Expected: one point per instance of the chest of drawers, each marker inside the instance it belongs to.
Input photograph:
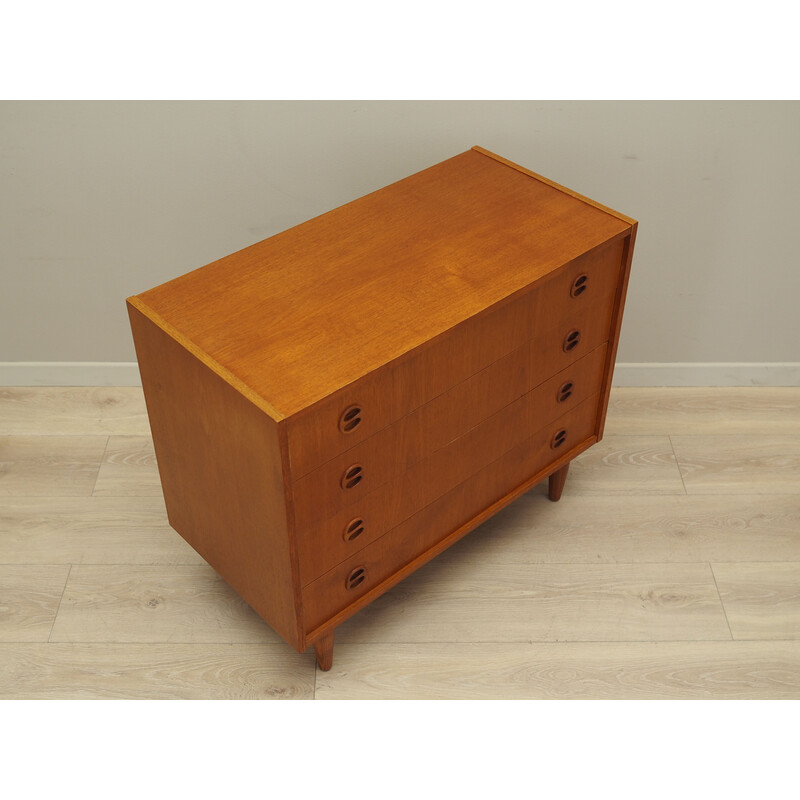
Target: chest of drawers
(337, 404)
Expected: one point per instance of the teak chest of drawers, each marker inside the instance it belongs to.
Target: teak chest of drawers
(337, 404)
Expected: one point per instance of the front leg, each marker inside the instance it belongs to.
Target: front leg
(323, 648)
(557, 481)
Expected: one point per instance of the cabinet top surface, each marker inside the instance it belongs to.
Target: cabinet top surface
(297, 316)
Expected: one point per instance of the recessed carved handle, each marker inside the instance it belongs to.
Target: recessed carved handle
(356, 578)
(350, 419)
(353, 529)
(558, 439)
(351, 476)
(579, 285)
(571, 340)
(565, 391)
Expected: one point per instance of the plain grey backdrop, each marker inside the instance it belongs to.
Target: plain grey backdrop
(101, 200)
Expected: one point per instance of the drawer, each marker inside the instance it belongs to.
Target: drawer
(327, 542)
(349, 477)
(583, 289)
(359, 574)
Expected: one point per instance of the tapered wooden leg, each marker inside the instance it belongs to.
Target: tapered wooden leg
(557, 481)
(323, 647)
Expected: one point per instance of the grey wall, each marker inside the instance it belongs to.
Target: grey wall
(101, 200)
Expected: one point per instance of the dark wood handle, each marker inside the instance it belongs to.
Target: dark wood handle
(356, 577)
(565, 391)
(350, 419)
(351, 476)
(579, 285)
(571, 340)
(353, 529)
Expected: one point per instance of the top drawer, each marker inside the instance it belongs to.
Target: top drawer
(357, 411)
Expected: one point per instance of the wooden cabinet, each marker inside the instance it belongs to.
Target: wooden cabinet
(337, 404)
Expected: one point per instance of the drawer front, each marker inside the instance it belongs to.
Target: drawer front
(348, 478)
(584, 290)
(330, 541)
(347, 582)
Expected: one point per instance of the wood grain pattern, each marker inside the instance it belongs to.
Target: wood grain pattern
(730, 464)
(419, 257)
(459, 443)
(704, 411)
(451, 514)
(137, 306)
(459, 410)
(154, 672)
(449, 602)
(55, 466)
(564, 671)
(649, 528)
(73, 410)
(626, 465)
(128, 468)
(283, 382)
(90, 530)
(419, 510)
(441, 546)
(222, 465)
(549, 182)
(127, 603)
(532, 323)
(762, 600)
(29, 598)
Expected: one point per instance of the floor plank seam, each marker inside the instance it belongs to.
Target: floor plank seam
(60, 601)
(677, 464)
(661, 432)
(146, 564)
(766, 643)
(96, 434)
(158, 642)
(162, 643)
(721, 601)
(534, 642)
(99, 467)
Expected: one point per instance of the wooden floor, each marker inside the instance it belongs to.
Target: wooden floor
(669, 569)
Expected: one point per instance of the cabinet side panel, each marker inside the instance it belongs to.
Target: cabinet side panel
(220, 462)
(616, 326)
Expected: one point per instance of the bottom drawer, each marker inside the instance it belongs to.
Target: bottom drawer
(350, 580)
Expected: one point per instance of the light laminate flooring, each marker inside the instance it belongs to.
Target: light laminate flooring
(669, 569)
